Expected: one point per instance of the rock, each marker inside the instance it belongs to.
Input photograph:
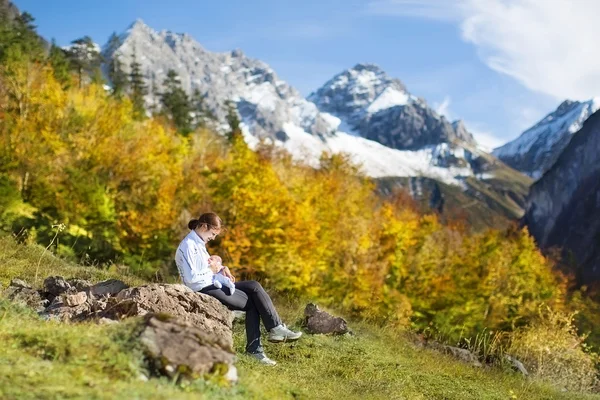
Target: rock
(109, 287)
(76, 299)
(318, 321)
(516, 364)
(458, 353)
(19, 283)
(21, 292)
(61, 311)
(107, 321)
(200, 310)
(178, 348)
(80, 284)
(56, 285)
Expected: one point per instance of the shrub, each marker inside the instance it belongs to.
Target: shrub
(552, 351)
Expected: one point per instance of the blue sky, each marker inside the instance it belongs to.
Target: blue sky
(470, 59)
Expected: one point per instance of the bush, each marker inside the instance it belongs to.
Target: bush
(552, 351)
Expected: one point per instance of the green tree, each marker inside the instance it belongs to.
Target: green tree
(138, 88)
(176, 104)
(60, 64)
(85, 59)
(233, 120)
(201, 112)
(18, 38)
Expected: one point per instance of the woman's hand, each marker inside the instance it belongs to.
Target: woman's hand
(227, 273)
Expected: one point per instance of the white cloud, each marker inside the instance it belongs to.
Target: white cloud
(549, 46)
(443, 108)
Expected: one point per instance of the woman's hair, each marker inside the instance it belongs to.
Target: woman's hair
(208, 220)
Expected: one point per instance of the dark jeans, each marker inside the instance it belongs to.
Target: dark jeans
(249, 296)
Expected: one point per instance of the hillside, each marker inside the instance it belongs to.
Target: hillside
(43, 359)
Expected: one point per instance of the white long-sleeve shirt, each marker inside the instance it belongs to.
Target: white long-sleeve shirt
(192, 262)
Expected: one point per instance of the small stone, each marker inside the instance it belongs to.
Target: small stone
(107, 321)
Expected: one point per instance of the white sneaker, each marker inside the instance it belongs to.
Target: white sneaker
(263, 359)
(281, 333)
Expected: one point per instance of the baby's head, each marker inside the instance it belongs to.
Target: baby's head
(214, 262)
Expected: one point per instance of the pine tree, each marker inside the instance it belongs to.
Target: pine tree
(60, 64)
(85, 59)
(116, 74)
(18, 38)
(176, 104)
(233, 120)
(138, 88)
(201, 113)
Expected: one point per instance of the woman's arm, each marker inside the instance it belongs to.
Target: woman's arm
(191, 264)
(225, 271)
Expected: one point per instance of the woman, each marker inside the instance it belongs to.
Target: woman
(192, 263)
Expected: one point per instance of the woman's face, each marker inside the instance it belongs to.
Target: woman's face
(210, 233)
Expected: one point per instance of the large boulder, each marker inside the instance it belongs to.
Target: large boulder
(200, 310)
(317, 321)
(178, 348)
(110, 287)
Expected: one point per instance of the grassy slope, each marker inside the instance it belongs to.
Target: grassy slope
(47, 360)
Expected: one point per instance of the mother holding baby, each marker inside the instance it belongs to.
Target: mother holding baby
(203, 273)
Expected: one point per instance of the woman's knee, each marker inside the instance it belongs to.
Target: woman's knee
(254, 286)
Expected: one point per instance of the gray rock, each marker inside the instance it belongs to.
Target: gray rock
(200, 310)
(516, 364)
(61, 311)
(463, 355)
(24, 295)
(81, 285)
(108, 287)
(179, 348)
(19, 283)
(56, 285)
(563, 209)
(317, 321)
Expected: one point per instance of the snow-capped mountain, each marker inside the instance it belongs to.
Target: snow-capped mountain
(536, 149)
(371, 104)
(361, 112)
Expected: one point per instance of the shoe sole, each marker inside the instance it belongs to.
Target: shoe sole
(283, 340)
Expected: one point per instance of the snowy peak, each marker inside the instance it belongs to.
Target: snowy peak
(355, 90)
(536, 149)
(371, 104)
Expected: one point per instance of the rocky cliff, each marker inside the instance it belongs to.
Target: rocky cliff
(563, 207)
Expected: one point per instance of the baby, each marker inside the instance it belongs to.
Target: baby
(214, 262)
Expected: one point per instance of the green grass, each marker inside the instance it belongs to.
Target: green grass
(50, 360)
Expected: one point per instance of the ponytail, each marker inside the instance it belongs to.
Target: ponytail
(209, 220)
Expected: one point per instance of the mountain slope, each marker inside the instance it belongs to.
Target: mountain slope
(371, 104)
(563, 207)
(361, 111)
(534, 152)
